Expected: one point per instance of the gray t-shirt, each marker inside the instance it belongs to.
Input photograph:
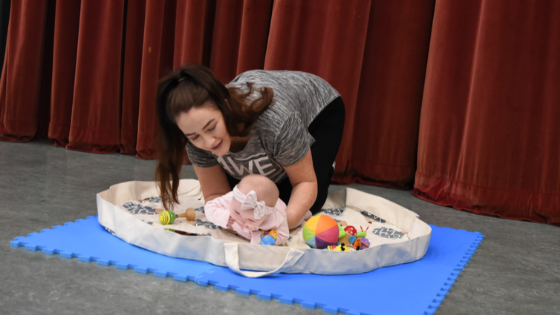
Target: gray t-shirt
(279, 136)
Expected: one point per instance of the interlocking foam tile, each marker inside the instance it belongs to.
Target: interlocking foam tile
(414, 288)
(88, 241)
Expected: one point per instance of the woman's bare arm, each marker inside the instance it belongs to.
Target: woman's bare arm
(304, 189)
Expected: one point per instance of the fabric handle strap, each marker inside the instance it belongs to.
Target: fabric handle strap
(232, 261)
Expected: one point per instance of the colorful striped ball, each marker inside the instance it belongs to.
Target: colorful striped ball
(320, 231)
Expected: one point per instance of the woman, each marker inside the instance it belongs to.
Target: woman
(285, 125)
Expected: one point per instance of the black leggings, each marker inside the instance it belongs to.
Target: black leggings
(327, 129)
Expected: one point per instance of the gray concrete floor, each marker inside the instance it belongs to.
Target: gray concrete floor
(514, 271)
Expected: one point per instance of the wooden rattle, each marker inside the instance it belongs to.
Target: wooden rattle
(168, 216)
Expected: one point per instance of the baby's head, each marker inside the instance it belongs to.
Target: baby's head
(242, 207)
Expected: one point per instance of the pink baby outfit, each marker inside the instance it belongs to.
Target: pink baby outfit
(217, 212)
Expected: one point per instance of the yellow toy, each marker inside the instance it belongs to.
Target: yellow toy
(339, 248)
(168, 217)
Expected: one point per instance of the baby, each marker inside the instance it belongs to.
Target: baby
(252, 206)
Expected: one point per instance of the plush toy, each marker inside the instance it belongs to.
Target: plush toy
(361, 243)
(321, 231)
(345, 240)
(347, 232)
(350, 230)
(269, 237)
(362, 233)
(341, 231)
(168, 217)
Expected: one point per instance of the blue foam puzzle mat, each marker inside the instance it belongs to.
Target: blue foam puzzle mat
(87, 240)
(413, 288)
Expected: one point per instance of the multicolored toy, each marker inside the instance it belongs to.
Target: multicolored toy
(338, 248)
(350, 230)
(269, 237)
(361, 243)
(321, 231)
(168, 216)
(352, 239)
(362, 233)
(341, 232)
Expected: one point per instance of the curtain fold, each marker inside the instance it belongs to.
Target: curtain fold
(44, 100)
(65, 47)
(242, 45)
(20, 85)
(157, 59)
(488, 136)
(95, 122)
(326, 39)
(253, 37)
(193, 36)
(456, 99)
(384, 130)
(4, 20)
(132, 71)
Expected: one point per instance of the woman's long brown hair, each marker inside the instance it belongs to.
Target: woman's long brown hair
(193, 86)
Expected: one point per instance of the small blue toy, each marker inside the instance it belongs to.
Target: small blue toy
(269, 237)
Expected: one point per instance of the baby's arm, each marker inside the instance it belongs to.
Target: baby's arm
(217, 210)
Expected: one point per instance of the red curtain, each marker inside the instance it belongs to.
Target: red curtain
(489, 136)
(454, 98)
(20, 85)
(384, 130)
(374, 53)
(152, 55)
(65, 46)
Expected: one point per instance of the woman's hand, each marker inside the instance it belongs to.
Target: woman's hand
(304, 189)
